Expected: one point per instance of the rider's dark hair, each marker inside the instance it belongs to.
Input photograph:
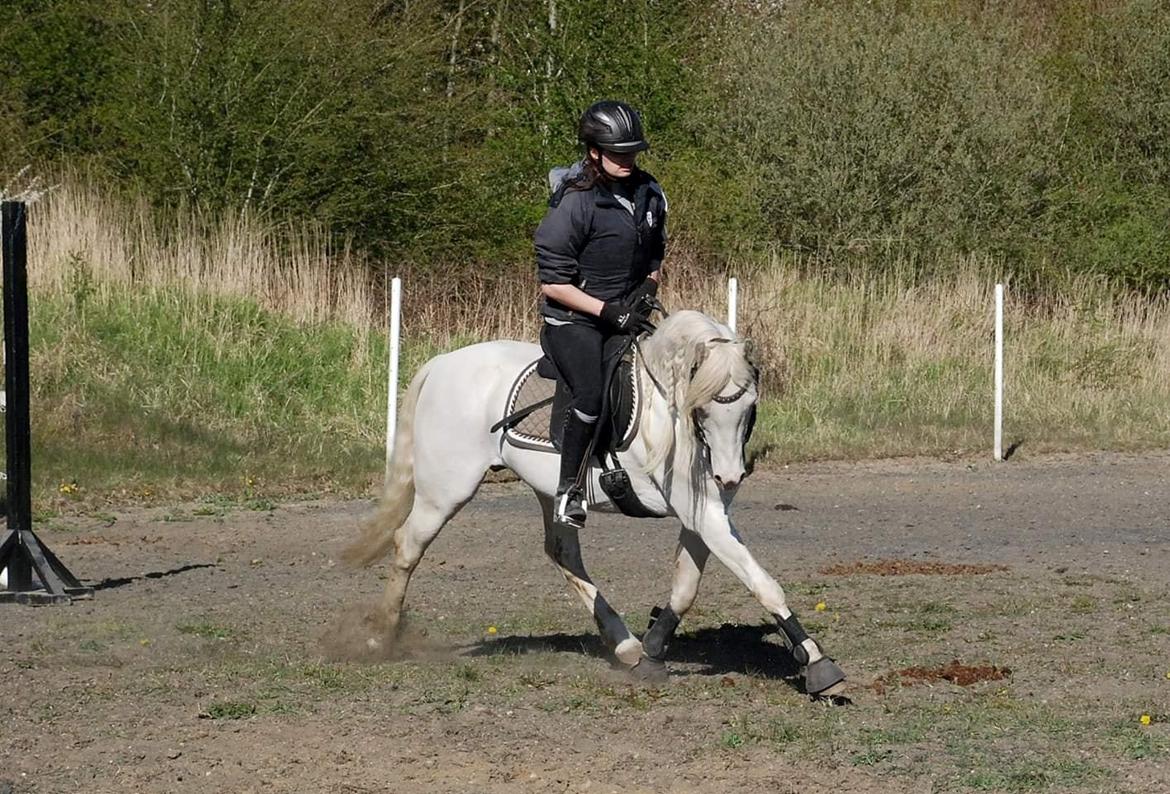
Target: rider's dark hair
(592, 172)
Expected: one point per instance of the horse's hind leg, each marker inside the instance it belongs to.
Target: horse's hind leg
(564, 548)
(690, 558)
(436, 501)
(410, 542)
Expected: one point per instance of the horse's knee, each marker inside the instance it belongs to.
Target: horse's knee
(730, 550)
(411, 540)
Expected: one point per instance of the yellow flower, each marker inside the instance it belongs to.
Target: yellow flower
(491, 630)
(68, 487)
(821, 606)
(1145, 719)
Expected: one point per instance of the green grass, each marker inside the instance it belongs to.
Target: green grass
(162, 395)
(230, 710)
(1057, 774)
(957, 734)
(732, 740)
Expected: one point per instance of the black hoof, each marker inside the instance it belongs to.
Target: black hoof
(650, 671)
(823, 677)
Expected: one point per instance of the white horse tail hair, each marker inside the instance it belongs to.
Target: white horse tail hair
(394, 506)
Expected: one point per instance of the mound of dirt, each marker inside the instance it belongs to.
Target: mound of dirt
(907, 568)
(954, 672)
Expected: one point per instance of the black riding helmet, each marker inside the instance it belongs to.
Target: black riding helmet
(613, 126)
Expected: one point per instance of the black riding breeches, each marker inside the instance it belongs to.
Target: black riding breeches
(581, 354)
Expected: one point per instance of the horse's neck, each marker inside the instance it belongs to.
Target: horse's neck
(658, 400)
(674, 472)
(647, 380)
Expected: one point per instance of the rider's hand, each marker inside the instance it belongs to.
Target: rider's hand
(622, 317)
(647, 289)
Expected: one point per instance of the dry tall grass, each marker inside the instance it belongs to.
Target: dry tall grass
(890, 364)
(77, 231)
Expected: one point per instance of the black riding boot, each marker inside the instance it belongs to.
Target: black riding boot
(569, 507)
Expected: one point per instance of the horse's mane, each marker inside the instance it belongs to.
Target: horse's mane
(692, 358)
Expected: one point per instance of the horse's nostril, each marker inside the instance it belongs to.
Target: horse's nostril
(728, 484)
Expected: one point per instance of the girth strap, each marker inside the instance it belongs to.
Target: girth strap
(512, 419)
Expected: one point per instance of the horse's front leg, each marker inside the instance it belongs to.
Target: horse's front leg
(690, 558)
(822, 676)
(564, 548)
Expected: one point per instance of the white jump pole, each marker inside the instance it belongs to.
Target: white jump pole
(999, 371)
(392, 389)
(732, 301)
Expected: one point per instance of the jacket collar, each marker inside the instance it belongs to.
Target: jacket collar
(605, 197)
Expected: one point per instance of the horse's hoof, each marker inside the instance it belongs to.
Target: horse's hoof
(650, 671)
(836, 695)
(823, 679)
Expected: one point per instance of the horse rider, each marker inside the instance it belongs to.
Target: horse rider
(599, 254)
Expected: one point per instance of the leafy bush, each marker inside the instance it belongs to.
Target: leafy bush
(1036, 133)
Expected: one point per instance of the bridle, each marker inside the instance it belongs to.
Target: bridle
(728, 400)
(696, 424)
(701, 437)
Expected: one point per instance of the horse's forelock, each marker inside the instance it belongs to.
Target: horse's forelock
(691, 357)
(722, 362)
(701, 356)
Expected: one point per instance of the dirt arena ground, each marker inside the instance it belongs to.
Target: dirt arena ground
(200, 665)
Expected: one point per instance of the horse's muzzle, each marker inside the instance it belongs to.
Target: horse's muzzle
(729, 483)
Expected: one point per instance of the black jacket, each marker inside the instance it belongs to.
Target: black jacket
(589, 239)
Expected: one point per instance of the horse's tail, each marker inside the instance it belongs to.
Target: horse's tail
(397, 499)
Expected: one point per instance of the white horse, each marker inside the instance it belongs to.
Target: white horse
(687, 460)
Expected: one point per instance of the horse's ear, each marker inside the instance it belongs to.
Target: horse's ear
(699, 355)
(751, 354)
(749, 351)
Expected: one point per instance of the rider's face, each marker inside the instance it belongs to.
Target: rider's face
(617, 166)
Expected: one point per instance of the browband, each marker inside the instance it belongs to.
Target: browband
(732, 398)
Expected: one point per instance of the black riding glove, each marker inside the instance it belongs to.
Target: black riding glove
(647, 289)
(622, 317)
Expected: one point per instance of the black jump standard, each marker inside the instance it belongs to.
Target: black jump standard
(35, 575)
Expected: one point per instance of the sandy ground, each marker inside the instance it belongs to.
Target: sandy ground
(200, 664)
